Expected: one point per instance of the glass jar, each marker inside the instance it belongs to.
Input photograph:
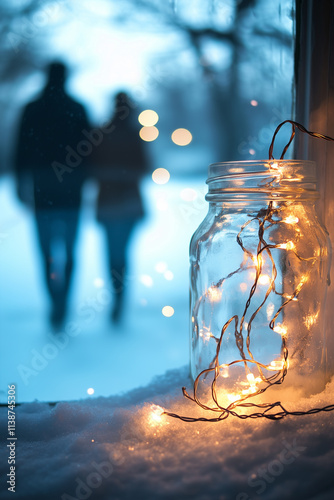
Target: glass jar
(259, 273)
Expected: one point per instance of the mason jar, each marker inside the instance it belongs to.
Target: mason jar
(259, 273)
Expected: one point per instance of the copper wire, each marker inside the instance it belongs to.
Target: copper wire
(270, 411)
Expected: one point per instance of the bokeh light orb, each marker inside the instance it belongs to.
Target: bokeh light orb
(148, 118)
(146, 280)
(161, 176)
(167, 311)
(149, 134)
(182, 137)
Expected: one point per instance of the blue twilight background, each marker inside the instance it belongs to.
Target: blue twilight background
(222, 69)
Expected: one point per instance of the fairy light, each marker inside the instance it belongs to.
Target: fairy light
(282, 330)
(264, 279)
(258, 260)
(288, 246)
(155, 416)
(224, 371)
(214, 294)
(291, 219)
(233, 397)
(205, 333)
(275, 365)
(272, 411)
(311, 319)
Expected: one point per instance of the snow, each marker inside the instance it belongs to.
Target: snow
(90, 352)
(112, 448)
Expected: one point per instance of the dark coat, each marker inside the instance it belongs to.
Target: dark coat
(119, 165)
(52, 126)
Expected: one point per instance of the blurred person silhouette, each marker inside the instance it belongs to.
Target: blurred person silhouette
(50, 132)
(119, 165)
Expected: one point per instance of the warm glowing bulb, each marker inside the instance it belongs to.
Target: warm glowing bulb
(258, 260)
(288, 246)
(275, 365)
(253, 102)
(291, 219)
(311, 319)
(224, 371)
(250, 378)
(90, 391)
(264, 279)
(233, 397)
(155, 414)
(280, 329)
(205, 333)
(214, 294)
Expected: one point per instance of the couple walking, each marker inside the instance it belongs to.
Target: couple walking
(50, 181)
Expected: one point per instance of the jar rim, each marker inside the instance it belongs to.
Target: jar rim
(274, 178)
(262, 166)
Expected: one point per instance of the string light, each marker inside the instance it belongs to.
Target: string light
(264, 279)
(288, 246)
(311, 319)
(155, 415)
(282, 330)
(214, 294)
(238, 401)
(291, 219)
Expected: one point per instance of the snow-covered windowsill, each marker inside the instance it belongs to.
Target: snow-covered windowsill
(111, 448)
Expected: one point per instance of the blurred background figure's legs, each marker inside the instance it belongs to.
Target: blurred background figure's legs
(118, 234)
(57, 233)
